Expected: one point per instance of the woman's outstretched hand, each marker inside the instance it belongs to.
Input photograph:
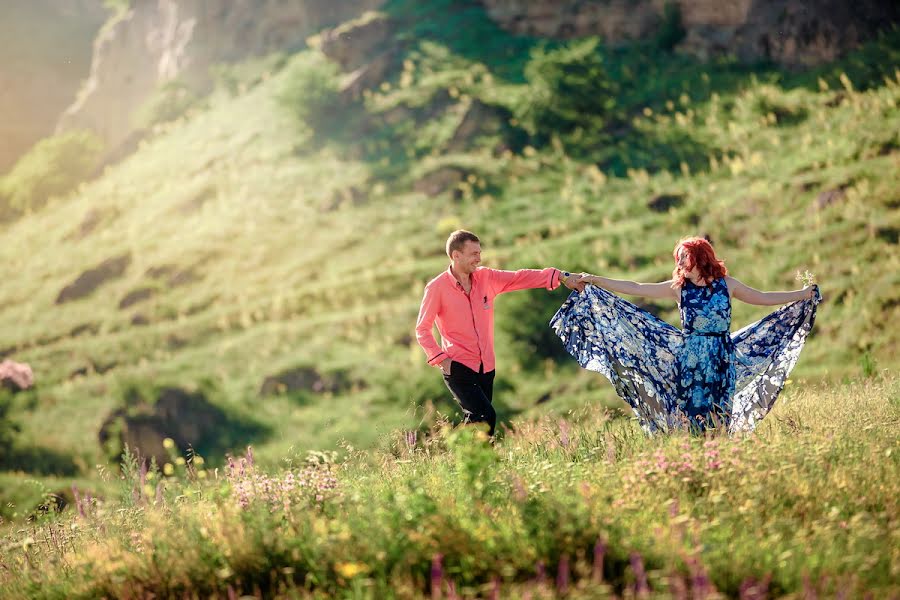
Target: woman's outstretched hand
(578, 282)
(573, 282)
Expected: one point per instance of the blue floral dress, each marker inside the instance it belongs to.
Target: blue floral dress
(695, 377)
(706, 373)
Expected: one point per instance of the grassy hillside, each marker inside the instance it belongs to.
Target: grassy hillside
(250, 243)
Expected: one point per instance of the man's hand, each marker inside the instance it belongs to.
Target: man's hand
(445, 366)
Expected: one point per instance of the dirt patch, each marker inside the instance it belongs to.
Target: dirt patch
(306, 379)
(135, 296)
(90, 280)
(665, 202)
(829, 198)
(92, 219)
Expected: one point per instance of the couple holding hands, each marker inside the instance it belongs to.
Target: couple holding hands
(699, 377)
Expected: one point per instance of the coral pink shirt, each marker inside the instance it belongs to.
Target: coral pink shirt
(466, 321)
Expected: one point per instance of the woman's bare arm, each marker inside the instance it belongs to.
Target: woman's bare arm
(747, 294)
(648, 290)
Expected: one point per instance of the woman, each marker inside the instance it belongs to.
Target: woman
(698, 377)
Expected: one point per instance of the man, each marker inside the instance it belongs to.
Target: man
(461, 301)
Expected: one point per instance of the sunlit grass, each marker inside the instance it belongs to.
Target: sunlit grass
(579, 506)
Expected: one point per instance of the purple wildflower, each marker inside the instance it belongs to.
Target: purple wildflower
(641, 588)
(562, 575)
(599, 552)
(437, 576)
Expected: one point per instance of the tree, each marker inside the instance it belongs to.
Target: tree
(569, 89)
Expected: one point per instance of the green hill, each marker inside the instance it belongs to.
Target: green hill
(242, 242)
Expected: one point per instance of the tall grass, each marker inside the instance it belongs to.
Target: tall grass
(576, 506)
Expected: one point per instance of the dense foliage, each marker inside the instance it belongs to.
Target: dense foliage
(53, 167)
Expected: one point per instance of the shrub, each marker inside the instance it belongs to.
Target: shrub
(569, 89)
(117, 5)
(236, 78)
(8, 428)
(311, 90)
(53, 167)
(169, 102)
(671, 30)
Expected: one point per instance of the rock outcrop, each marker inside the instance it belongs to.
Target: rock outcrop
(91, 279)
(306, 379)
(16, 376)
(364, 48)
(794, 33)
(157, 41)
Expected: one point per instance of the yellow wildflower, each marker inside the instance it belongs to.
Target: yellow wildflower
(349, 570)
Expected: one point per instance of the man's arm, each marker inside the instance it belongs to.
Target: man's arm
(431, 305)
(525, 279)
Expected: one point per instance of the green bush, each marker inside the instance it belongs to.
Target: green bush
(8, 428)
(311, 90)
(117, 5)
(569, 89)
(169, 102)
(237, 78)
(53, 167)
(672, 30)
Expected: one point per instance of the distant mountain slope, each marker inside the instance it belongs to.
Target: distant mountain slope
(45, 55)
(157, 42)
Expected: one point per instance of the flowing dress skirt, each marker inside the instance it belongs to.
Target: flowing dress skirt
(642, 356)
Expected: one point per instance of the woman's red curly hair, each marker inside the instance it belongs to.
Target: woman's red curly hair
(700, 253)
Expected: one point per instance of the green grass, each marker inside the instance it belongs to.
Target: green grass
(288, 272)
(806, 505)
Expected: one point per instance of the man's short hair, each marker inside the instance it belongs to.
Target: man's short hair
(458, 239)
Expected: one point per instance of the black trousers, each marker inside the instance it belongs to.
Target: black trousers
(474, 393)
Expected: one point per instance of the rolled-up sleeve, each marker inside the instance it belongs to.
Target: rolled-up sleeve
(524, 279)
(431, 304)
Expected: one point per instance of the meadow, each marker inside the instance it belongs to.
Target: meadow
(275, 229)
(579, 506)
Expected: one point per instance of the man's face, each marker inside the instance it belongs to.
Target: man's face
(467, 259)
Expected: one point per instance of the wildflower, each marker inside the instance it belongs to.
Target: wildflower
(562, 575)
(168, 469)
(640, 575)
(599, 552)
(437, 575)
(168, 443)
(349, 570)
